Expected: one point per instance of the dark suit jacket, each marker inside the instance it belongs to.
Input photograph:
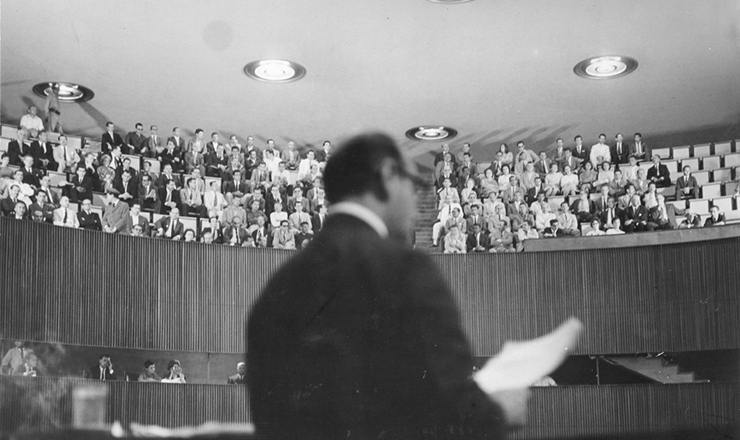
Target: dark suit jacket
(179, 143)
(316, 223)
(604, 214)
(133, 190)
(164, 223)
(585, 153)
(162, 194)
(38, 153)
(141, 221)
(74, 194)
(485, 241)
(638, 214)
(7, 206)
(107, 142)
(89, 221)
(241, 234)
(236, 380)
(681, 184)
(16, 152)
(231, 187)
(662, 176)
(670, 211)
(95, 373)
(163, 180)
(32, 177)
(620, 158)
(711, 222)
(359, 334)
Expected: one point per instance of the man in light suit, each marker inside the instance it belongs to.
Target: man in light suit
(238, 378)
(18, 148)
(154, 143)
(135, 219)
(63, 216)
(686, 186)
(374, 334)
(65, 156)
(115, 214)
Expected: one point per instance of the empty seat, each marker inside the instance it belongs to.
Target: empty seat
(722, 148)
(732, 160)
(702, 150)
(730, 188)
(722, 175)
(664, 153)
(679, 204)
(700, 206)
(732, 216)
(555, 202)
(725, 204)
(711, 162)
(482, 166)
(692, 162)
(680, 152)
(8, 131)
(702, 177)
(673, 166)
(711, 190)
(4, 144)
(56, 178)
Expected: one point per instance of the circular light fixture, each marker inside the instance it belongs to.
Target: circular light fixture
(431, 133)
(275, 71)
(450, 1)
(68, 92)
(605, 67)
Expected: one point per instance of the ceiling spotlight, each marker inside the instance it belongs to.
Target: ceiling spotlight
(68, 92)
(275, 71)
(431, 133)
(605, 67)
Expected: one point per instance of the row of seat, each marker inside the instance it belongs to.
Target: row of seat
(698, 150)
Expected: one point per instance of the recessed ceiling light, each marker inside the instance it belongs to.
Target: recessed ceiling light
(68, 92)
(605, 67)
(431, 133)
(276, 71)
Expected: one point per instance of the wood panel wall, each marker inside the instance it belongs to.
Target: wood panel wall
(90, 288)
(555, 412)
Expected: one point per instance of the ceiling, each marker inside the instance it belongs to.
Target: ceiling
(495, 70)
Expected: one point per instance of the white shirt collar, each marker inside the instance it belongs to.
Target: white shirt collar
(362, 213)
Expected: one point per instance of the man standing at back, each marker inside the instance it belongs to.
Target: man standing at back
(358, 335)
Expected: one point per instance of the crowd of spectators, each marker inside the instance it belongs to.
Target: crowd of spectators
(245, 195)
(602, 186)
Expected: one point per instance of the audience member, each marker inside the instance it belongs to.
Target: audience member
(170, 197)
(154, 143)
(19, 148)
(13, 358)
(103, 370)
(111, 139)
(525, 232)
(31, 122)
(43, 153)
(693, 220)
(135, 219)
(638, 149)
(620, 151)
(595, 229)
(502, 240)
(174, 373)
(554, 230)
(283, 237)
(567, 221)
(63, 216)
(454, 241)
(191, 200)
(29, 367)
(635, 216)
(615, 228)
(170, 227)
(53, 109)
(686, 186)
(43, 207)
(304, 236)
(716, 218)
(115, 213)
(659, 173)
(600, 152)
(87, 218)
(523, 157)
(238, 378)
(136, 141)
(477, 241)
(149, 374)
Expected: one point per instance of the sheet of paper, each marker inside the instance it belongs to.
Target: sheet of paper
(522, 363)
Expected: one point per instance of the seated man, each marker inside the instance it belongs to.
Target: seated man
(693, 220)
(235, 234)
(260, 177)
(103, 370)
(216, 162)
(304, 236)
(554, 230)
(89, 219)
(283, 237)
(236, 188)
(148, 198)
(261, 233)
(41, 205)
(526, 232)
(63, 216)
(477, 241)
(715, 218)
(502, 240)
(170, 227)
(567, 221)
(686, 186)
(234, 210)
(127, 187)
(618, 184)
(19, 148)
(659, 173)
(80, 187)
(584, 208)
(298, 217)
(455, 219)
(454, 241)
(170, 197)
(476, 218)
(192, 200)
(43, 153)
(29, 366)
(214, 200)
(635, 216)
(31, 174)
(13, 358)
(214, 230)
(136, 219)
(663, 216)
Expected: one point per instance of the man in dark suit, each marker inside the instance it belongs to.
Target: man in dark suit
(136, 219)
(18, 148)
(318, 219)
(111, 139)
(166, 177)
(663, 216)
(715, 218)
(128, 188)
(43, 153)
(235, 234)
(639, 149)
(148, 194)
(358, 333)
(136, 141)
(610, 212)
(659, 174)
(581, 151)
(154, 142)
(30, 174)
(686, 186)
(89, 219)
(477, 241)
(177, 140)
(620, 151)
(635, 217)
(169, 197)
(212, 146)
(170, 227)
(103, 370)
(216, 162)
(80, 187)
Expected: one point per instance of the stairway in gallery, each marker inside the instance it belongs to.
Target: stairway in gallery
(426, 206)
(656, 368)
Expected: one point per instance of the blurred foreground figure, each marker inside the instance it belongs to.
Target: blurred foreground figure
(358, 336)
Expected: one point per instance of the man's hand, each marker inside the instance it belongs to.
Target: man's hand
(514, 405)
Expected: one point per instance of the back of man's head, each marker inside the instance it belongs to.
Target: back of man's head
(354, 169)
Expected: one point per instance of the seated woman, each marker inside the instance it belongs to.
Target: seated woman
(651, 196)
(569, 182)
(507, 157)
(488, 183)
(105, 173)
(595, 229)
(606, 175)
(503, 179)
(587, 176)
(552, 181)
(454, 241)
(468, 189)
(174, 373)
(149, 375)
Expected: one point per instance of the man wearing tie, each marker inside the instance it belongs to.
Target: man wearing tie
(110, 139)
(169, 197)
(104, 369)
(136, 141)
(65, 156)
(170, 227)
(638, 149)
(116, 213)
(317, 222)
(177, 140)
(43, 153)
(63, 216)
(154, 143)
(686, 186)
(620, 151)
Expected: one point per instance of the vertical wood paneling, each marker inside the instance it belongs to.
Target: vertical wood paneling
(555, 412)
(90, 288)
